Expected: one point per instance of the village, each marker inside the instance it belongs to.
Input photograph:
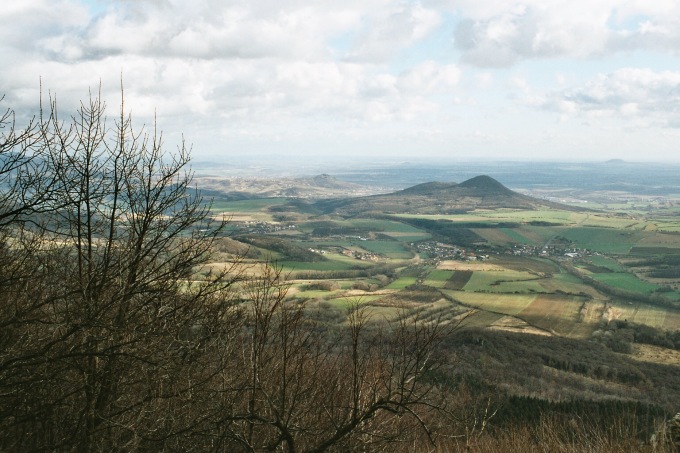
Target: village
(441, 251)
(435, 250)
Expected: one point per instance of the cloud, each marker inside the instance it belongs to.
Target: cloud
(65, 30)
(225, 65)
(625, 93)
(228, 31)
(379, 71)
(502, 33)
(429, 77)
(384, 34)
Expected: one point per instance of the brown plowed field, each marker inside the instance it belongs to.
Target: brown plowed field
(458, 280)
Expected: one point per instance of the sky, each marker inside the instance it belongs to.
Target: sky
(356, 80)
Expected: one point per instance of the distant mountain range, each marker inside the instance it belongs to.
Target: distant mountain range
(325, 194)
(316, 187)
(480, 192)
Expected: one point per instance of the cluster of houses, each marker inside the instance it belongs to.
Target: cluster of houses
(359, 255)
(253, 227)
(546, 251)
(363, 256)
(441, 251)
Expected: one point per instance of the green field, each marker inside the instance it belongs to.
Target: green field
(402, 283)
(607, 263)
(669, 226)
(381, 225)
(539, 234)
(516, 236)
(518, 287)
(568, 284)
(603, 240)
(408, 237)
(438, 278)
(496, 281)
(626, 282)
(389, 249)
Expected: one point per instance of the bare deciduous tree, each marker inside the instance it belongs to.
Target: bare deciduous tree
(307, 389)
(108, 343)
(109, 309)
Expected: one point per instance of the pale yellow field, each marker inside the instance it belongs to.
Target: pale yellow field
(469, 266)
(672, 321)
(360, 293)
(509, 304)
(241, 217)
(249, 270)
(655, 354)
(660, 240)
(644, 314)
(512, 324)
(554, 313)
(453, 218)
(555, 284)
(592, 312)
(474, 318)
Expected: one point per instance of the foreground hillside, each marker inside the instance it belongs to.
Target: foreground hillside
(555, 303)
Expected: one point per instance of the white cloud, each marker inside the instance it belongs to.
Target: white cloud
(501, 33)
(484, 80)
(393, 29)
(278, 72)
(429, 77)
(532, 29)
(625, 93)
(226, 65)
